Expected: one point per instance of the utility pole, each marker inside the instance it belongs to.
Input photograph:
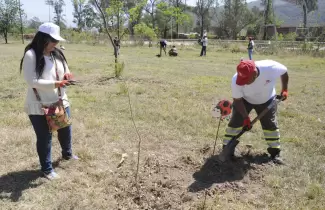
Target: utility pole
(21, 24)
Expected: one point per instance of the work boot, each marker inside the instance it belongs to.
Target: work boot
(232, 153)
(275, 156)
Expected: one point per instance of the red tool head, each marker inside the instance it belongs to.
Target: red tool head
(225, 108)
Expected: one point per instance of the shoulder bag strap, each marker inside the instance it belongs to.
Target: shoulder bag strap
(57, 75)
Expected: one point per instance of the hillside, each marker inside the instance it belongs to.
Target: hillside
(292, 14)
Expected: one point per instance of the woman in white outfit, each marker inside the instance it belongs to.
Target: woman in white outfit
(46, 72)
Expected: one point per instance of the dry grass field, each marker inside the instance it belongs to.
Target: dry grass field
(171, 100)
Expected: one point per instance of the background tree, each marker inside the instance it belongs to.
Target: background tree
(102, 5)
(116, 15)
(235, 17)
(164, 18)
(135, 13)
(151, 8)
(9, 17)
(268, 16)
(307, 7)
(181, 17)
(91, 18)
(202, 11)
(171, 15)
(34, 23)
(254, 28)
(145, 32)
(58, 11)
(78, 14)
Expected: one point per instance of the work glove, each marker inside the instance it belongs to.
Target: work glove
(67, 76)
(284, 94)
(247, 124)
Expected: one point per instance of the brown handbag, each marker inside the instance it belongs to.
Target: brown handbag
(55, 113)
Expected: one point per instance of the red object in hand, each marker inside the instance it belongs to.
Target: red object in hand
(64, 83)
(284, 94)
(67, 76)
(247, 124)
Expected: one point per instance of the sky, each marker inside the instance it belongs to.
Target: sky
(38, 8)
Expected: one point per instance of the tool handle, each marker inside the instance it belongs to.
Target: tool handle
(279, 98)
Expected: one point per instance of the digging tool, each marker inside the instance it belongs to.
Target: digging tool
(223, 156)
(223, 112)
(215, 141)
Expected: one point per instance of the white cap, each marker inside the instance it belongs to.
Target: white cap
(52, 30)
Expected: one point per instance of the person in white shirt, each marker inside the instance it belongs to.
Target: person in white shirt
(173, 51)
(204, 43)
(253, 87)
(250, 48)
(40, 63)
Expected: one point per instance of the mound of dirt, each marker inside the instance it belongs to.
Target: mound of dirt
(169, 184)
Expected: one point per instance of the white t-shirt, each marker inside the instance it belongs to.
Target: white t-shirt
(263, 88)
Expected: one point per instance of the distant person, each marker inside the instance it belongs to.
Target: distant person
(250, 48)
(163, 46)
(204, 43)
(46, 72)
(117, 44)
(173, 51)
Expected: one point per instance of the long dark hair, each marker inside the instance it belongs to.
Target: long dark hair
(38, 44)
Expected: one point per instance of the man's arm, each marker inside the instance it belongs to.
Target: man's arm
(240, 107)
(285, 80)
(284, 91)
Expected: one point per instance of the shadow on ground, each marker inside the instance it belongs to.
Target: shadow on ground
(213, 171)
(13, 184)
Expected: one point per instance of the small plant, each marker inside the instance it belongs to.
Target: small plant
(290, 36)
(314, 191)
(235, 49)
(225, 45)
(307, 47)
(123, 89)
(192, 36)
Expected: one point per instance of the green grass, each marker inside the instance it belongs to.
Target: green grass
(171, 100)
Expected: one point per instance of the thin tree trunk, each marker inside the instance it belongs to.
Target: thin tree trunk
(6, 36)
(177, 5)
(118, 25)
(21, 24)
(165, 32)
(202, 25)
(305, 15)
(153, 20)
(266, 18)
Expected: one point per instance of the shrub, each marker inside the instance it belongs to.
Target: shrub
(235, 49)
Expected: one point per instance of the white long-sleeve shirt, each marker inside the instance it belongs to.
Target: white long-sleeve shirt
(204, 41)
(45, 85)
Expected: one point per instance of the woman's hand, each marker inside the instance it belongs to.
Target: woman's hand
(61, 83)
(67, 76)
